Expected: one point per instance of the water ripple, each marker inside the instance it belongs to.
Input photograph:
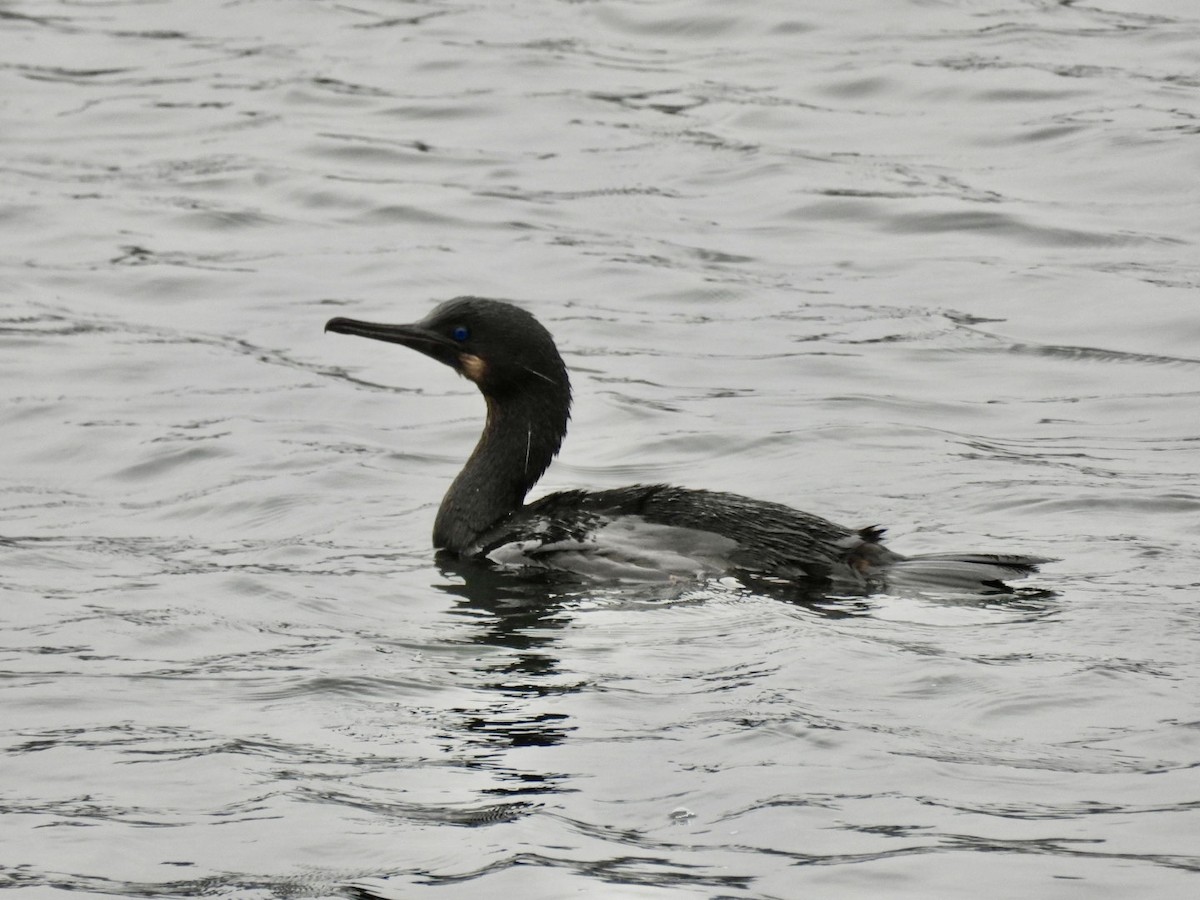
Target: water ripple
(921, 264)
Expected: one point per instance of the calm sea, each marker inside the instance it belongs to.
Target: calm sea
(925, 263)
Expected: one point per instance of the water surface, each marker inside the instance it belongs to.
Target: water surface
(928, 264)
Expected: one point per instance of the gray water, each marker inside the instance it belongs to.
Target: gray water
(927, 264)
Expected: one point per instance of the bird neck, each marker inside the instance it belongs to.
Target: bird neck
(521, 437)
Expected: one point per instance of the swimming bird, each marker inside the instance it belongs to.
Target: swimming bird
(641, 532)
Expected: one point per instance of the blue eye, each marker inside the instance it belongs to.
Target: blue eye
(460, 333)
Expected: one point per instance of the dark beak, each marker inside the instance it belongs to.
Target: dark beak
(415, 336)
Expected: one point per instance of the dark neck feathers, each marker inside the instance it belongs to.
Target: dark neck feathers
(524, 430)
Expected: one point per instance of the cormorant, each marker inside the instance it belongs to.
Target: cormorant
(644, 532)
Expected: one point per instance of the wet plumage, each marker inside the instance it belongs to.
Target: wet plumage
(641, 531)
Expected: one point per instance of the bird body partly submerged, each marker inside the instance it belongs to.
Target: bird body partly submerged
(644, 532)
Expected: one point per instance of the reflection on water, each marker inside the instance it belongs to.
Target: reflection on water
(520, 617)
(918, 264)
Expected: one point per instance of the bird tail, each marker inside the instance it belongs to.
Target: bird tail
(962, 571)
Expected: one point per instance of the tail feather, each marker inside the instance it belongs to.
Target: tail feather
(963, 570)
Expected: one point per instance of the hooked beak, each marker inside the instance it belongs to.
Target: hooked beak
(415, 336)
